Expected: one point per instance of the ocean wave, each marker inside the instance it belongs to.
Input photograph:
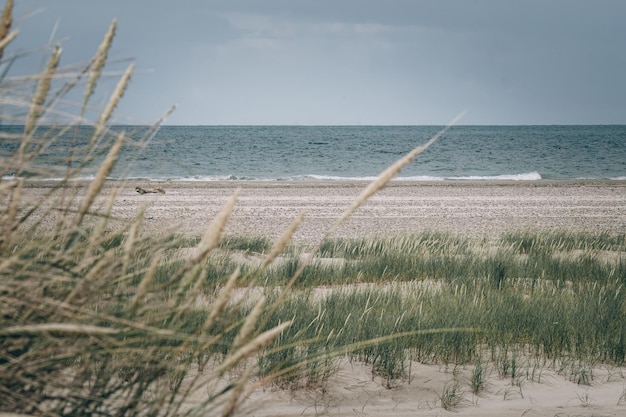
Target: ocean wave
(353, 153)
(419, 178)
(52, 179)
(331, 178)
(529, 176)
(198, 178)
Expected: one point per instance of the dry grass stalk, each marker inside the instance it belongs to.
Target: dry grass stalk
(98, 64)
(251, 347)
(101, 264)
(8, 262)
(146, 281)
(9, 223)
(39, 98)
(188, 288)
(147, 138)
(249, 324)
(387, 175)
(276, 250)
(132, 236)
(57, 327)
(5, 25)
(190, 271)
(96, 185)
(7, 40)
(213, 235)
(237, 393)
(222, 301)
(284, 240)
(106, 114)
(99, 230)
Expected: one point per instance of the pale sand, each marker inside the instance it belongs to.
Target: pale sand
(353, 392)
(468, 208)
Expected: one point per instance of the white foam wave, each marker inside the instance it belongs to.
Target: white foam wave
(52, 179)
(529, 176)
(420, 178)
(333, 178)
(532, 176)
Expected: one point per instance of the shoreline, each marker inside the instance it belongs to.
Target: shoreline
(332, 183)
(267, 208)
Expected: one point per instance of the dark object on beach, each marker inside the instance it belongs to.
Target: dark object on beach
(150, 191)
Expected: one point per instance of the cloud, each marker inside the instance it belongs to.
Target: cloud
(355, 61)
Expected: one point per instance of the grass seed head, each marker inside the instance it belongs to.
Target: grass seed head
(98, 63)
(5, 26)
(39, 98)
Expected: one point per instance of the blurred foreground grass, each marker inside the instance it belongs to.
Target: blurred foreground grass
(88, 324)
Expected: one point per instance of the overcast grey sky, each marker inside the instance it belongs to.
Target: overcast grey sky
(352, 61)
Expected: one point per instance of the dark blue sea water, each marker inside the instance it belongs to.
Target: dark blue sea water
(274, 153)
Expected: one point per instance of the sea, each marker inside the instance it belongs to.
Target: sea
(339, 153)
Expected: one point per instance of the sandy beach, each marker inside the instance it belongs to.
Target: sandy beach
(474, 208)
(353, 392)
(468, 208)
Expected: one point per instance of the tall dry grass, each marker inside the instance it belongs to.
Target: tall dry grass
(84, 328)
(103, 323)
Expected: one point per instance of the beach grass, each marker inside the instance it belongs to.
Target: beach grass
(96, 322)
(114, 321)
(563, 304)
(119, 322)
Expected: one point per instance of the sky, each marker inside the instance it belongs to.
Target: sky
(346, 62)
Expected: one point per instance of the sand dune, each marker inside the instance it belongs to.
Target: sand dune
(471, 208)
(353, 392)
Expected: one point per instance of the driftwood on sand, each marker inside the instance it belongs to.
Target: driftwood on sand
(150, 190)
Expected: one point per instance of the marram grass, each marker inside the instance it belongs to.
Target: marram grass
(99, 323)
(89, 324)
(94, 322)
